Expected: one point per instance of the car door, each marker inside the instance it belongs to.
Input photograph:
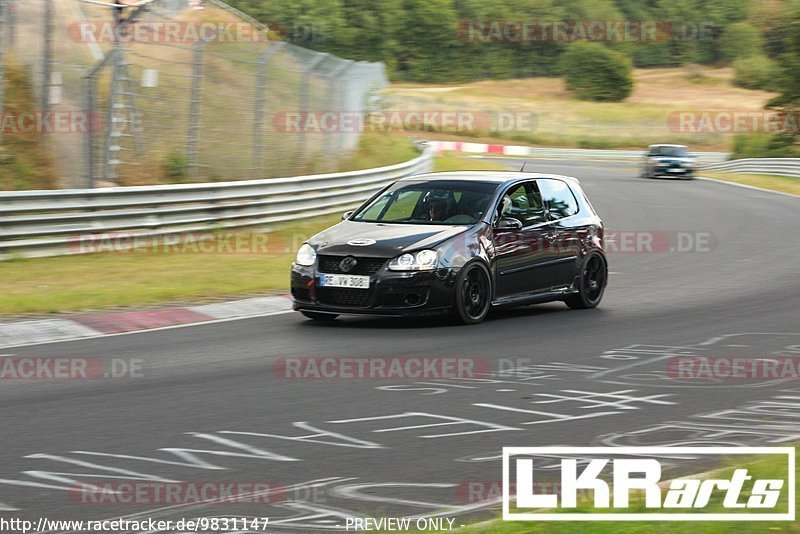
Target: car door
(524, 260)
(562, 210)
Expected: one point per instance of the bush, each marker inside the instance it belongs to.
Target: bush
(175, 167)
(755, 72)
(593, 72)
(764, 145)
(739, 40)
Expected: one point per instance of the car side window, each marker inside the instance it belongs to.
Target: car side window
(526, 204)
(559, 198)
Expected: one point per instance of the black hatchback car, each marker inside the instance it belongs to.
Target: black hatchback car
(456, 242)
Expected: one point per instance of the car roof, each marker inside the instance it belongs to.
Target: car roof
(666, 144)
(496, 177)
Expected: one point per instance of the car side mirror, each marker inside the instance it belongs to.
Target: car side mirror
(346, 215)
(508, 223)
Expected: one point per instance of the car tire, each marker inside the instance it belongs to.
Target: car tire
(473, 294)
(315, 316)
(592, 282)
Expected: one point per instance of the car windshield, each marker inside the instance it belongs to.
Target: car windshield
(676, 151)
(432, 202)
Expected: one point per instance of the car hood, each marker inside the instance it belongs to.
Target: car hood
(389, 239)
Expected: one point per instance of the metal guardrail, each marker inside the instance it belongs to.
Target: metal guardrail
(702, 157)
(61, 222)
(775, 166)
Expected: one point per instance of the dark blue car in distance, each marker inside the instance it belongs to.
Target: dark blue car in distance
(456, 243)
(669, 160)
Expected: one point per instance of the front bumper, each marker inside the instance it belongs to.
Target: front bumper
(663, 170)
(391, 293)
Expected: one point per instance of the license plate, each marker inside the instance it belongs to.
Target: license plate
(344, 280)
(677, 170)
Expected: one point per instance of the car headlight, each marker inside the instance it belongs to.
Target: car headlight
(306, 256)
(424, 260)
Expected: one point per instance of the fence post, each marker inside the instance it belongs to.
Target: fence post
(112, 134)
(94, 119)
(3, 32)
(47, 57)
(196, 98)
(304, 104)
(335, 103)
(11, 14)
(89, 104)
(258, 119)
(261, 87)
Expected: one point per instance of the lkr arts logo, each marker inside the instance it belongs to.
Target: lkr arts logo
(634, 483)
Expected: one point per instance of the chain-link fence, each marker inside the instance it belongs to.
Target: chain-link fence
(177, 90)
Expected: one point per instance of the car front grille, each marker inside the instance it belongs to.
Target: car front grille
(339, 296)
(364, 266)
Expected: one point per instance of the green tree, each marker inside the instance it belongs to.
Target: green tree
(755, 72)
(593, 72)
(787, 104)
(739, 40)
(430, 42)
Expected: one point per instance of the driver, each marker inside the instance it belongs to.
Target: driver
(436, 210)
(505, 205)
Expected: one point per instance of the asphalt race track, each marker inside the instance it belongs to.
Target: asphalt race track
(698, 268)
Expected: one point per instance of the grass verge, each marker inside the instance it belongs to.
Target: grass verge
(379, 149)
(646, 117)
(783, 184)
(449, 161)
(758, 467)
(255, 262)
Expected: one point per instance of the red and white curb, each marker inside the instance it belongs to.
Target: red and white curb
(558, 153)
(481, 148)
(76, 327)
